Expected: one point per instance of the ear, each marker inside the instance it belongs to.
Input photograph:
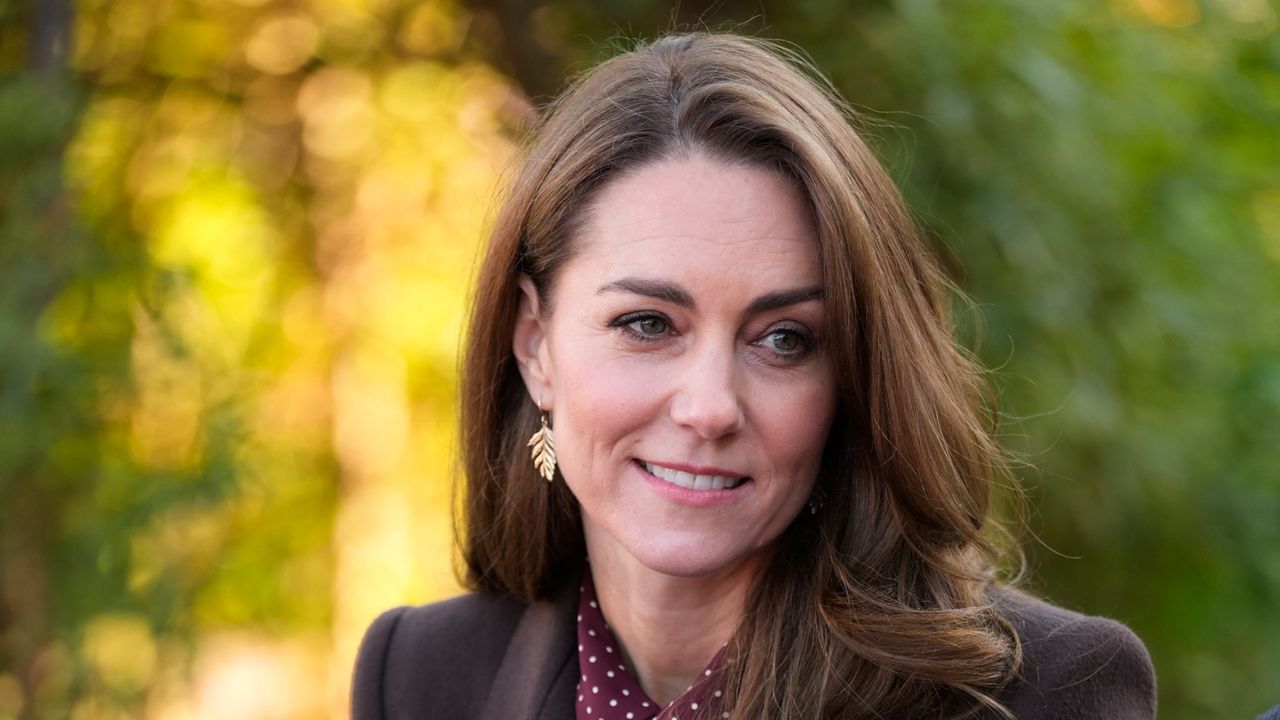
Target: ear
(529, 345)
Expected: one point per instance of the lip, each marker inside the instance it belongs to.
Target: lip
(692, 498)
(694, 469)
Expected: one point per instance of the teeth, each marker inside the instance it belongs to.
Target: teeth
(691, 480)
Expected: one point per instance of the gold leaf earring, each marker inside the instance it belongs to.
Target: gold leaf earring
(543, 443)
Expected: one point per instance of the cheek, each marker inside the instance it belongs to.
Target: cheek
(600, 402)
(795, 425)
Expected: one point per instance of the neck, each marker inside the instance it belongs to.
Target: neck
(669, 627)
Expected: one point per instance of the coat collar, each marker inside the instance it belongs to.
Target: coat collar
(539, 671)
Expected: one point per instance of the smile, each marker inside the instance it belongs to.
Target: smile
(692, 481)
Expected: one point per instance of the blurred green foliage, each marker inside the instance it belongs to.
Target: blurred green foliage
(204, 270)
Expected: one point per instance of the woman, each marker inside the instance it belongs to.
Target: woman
(761, 467)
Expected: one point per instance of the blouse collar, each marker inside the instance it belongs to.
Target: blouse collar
(608, 691)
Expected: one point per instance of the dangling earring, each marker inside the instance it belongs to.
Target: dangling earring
(544, 451)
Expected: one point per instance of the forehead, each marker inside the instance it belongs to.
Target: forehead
(700, 221)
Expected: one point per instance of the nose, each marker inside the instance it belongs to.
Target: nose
(708, 399)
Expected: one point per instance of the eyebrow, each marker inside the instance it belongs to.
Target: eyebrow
(672, 293)
(665, 291)
(784, 298)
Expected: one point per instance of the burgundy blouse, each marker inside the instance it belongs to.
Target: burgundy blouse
(608, 691)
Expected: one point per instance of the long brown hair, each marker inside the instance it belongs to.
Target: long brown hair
(875, 606)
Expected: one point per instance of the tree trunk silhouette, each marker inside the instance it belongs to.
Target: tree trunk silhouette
(48, 35)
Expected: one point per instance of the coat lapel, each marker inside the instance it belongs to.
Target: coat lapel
(538, 674)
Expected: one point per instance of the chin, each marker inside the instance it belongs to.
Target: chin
(697, 557)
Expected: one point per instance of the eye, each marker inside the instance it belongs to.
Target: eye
(651, 325)
(787, 341)
(790, 343)
(644, 326)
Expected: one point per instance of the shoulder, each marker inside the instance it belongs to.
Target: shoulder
(1075, 666)
(443, 655)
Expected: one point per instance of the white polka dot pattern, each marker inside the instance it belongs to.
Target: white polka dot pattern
(606, 694)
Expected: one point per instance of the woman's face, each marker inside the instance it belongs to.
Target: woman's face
(682, 365)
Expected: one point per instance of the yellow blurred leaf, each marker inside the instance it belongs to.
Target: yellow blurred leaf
(280, 45)
(121, 650)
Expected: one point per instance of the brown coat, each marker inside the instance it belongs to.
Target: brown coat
(480, 656)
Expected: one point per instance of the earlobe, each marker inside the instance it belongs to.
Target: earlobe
(528, 343)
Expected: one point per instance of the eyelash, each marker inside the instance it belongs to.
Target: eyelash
(624, 323)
